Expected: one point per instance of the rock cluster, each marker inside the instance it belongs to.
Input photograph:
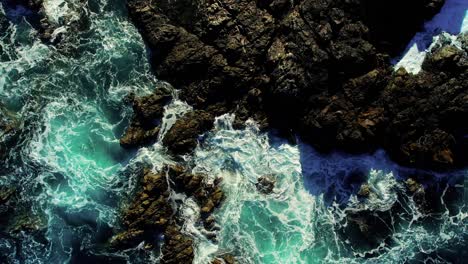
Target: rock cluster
(320, 68)
(152, 212)
(143, 129)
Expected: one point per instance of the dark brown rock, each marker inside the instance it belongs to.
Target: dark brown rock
(265, 184)
(224, 259)
(177, 247)
(182, 137)
(151, 213)
(137, 136)
(148, 110)
(318, 68)
(208, 195)
(148, 213)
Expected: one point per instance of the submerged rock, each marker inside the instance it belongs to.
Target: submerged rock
(265, 184)
(364, 191)
(366, 230)
(9, 131)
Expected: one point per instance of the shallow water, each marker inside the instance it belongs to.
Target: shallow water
(71, 175)
(450, 22)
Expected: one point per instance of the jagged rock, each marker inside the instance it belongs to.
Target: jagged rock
(150, 208)
(151, 107)
(137, 136)
(208, 195)
(319, 68)
(413, 186)
(265, 184)
(182, 138)
(148, 213)
(128, 239)
(448, 58)
(419, 194)
(224, 259)
(148, 110)
(177, 247)
(364, 191)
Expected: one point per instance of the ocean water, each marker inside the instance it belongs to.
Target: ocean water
(305, 219)
(447, 25)
(67, 167)
(71, 176)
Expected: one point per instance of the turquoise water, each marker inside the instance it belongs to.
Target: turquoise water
(297, 223)
(71, 175)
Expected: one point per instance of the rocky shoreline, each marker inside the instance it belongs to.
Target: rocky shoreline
(311, 67)
(152, 212)
(317, 69)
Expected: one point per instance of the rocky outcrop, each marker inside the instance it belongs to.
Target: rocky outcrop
(148, 213)
(148, 109)
(177, 248)
(224, 259)
(152, 215)
(208, 195)
(320, 68)
(182, 137)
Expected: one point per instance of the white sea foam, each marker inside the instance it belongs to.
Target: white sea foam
(452, 20)
(291, 225)
(61, 12)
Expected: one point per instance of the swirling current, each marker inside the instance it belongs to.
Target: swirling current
(68, 175)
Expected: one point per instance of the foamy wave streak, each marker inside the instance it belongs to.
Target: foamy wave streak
(293, 226)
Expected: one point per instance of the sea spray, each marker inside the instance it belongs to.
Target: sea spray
(293, 226)
(68, 169)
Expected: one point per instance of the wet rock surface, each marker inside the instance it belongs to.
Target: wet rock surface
(225, 259)
(153, 217)
(182, 137)
(320, 68)
(265, 184)
(149, 109)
